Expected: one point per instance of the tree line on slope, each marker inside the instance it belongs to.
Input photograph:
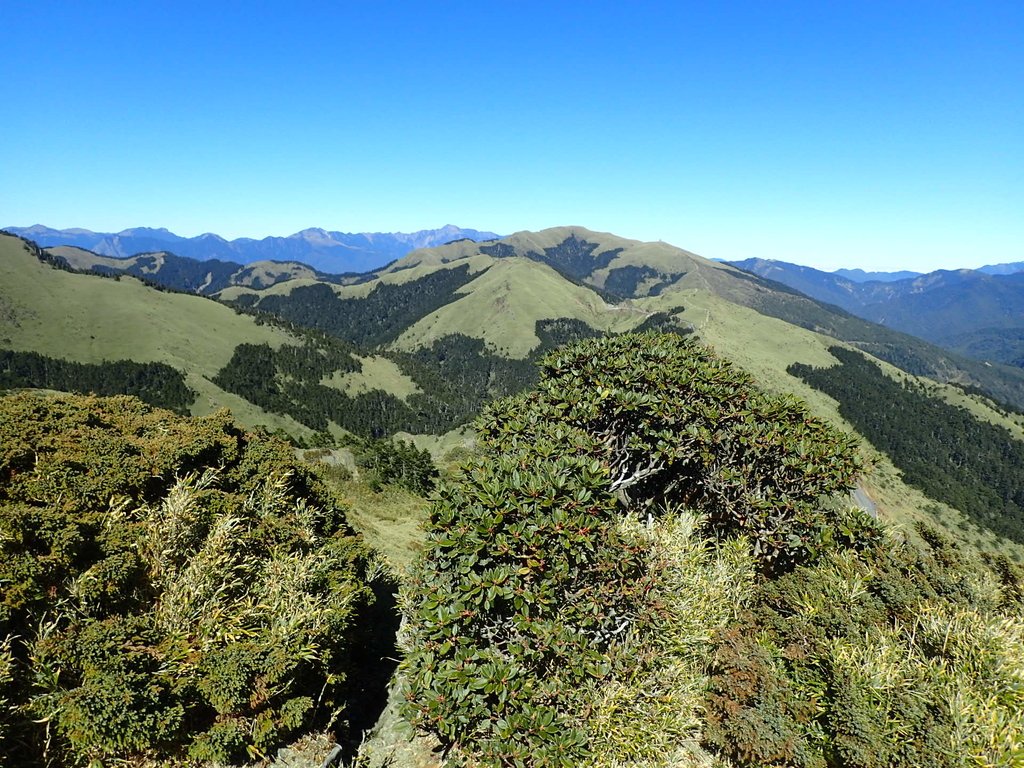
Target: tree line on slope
(378, 318)
(944, 450)
(456, 376)
(156, 383)
(908, 353)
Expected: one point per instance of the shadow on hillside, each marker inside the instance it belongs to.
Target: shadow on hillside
(374, 659)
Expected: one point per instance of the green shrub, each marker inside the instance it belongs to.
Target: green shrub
(675, 424)
(529, 583)
(174, 587)
(398, 462)
(878, 656)
(522, 594)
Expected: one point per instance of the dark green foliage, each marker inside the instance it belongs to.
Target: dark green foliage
(1001, 345)
(176, 273)
(527, 581)
(906, 352)
(575, 257)
(498, 250)
(399, 463)
(624, 281)
(157, 383)
(942, 449)
(288, 379)
(173, 586)
(457, 376)
(559, 332)
(378, 318)
(754, 715)
(460, 372)
(525, 585)
(664, 322)
(779, 696)
(676, 424)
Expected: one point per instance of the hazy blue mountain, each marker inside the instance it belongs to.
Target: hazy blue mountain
(1003, 269)
(860, 276)
(976, 312)
(330, 252)
(829, 287)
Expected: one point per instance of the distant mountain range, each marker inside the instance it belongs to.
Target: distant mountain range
(979, 313)
(333, 252)
(860, 276)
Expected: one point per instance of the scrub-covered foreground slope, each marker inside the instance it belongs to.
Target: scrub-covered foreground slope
(171, 590)
(649, 565)
(643, 566)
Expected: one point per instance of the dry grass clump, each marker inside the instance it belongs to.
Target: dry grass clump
(888, 655)
(648, 711)
(175, 590)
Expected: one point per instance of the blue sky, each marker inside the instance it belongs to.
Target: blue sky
(876, 134)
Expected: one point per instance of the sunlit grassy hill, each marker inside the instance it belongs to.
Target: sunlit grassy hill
(91, 319)
(444, 330)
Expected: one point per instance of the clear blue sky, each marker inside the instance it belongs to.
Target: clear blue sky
(874, 134)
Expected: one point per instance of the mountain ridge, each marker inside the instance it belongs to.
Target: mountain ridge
(628, 275)
(466, 322)
(327, 251)
(977, 313)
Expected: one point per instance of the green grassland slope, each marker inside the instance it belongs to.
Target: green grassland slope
(92, 319)
(456, 325)
(184, 274)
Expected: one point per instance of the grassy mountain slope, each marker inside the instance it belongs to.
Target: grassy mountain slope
(510, 298)
(617, 268)
(636, 272)
(425, 313)
(296, 381)
(185, 274)
(92, 319)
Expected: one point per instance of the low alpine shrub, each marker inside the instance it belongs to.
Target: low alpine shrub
(172, 588)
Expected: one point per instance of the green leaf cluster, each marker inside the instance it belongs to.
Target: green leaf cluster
(672, 423)
(528, 582)
(169, 588)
